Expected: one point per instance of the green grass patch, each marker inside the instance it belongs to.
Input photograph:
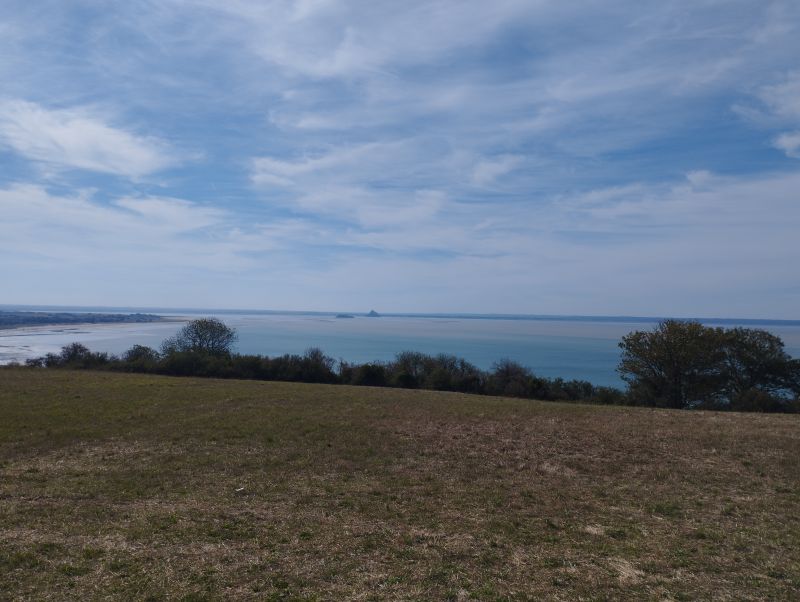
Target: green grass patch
(116, 486)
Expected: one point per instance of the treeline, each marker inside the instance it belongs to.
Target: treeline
(15, 319)
(409, 370)
(677, 365)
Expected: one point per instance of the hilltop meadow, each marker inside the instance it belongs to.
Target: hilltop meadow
(136, 486)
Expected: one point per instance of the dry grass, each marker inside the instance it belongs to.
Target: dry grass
(139, 487)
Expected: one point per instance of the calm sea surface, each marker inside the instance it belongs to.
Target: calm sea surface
(569, 347)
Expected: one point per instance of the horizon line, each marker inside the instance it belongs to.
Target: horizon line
(432, 314)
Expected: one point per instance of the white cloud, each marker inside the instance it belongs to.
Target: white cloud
(370, 185)
(783, 98)
(325, 39)
(374, 160)
(488, 170)
(177, 214)
(700, 178)
(782, 102)
(131, 231)
(710, 244)
(789, 143)
(74, 138)
(419, 147)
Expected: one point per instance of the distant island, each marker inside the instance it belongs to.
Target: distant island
(345, 316)
(373, 314)
(16, 319)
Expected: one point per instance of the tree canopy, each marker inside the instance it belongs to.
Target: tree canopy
(206, 336)
(683, 364)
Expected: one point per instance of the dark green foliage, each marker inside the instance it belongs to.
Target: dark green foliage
(195, 363)
(140, 358)
(676, 365)
(512, 379)
(140, 353)
(451, 373)
(206, 335)
(370, 375)
(74, 355)
(410, 368)
(14, 319)
(414, 370)
(758, 400)
(311, 367)
(609, 396)
(755, 360)
(685, 364)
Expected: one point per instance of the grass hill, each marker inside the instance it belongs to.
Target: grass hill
(116, 486)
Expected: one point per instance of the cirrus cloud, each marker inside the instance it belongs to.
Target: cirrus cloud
(77, 139)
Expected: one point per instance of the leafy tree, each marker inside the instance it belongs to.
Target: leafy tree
(409, 369)
(139, 358)
(513, 379)
(74, 353)
(316, 367)
(755, 360)
(677, 365)
(370, 374)
(685, 364)
(208, 336)
(140, 353)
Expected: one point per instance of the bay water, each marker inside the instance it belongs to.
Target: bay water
(571, 347)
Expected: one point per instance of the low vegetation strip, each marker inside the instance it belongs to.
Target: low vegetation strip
(134, 486)
(680, 365)
(17, 319)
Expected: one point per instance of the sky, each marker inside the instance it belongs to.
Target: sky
(597, 157)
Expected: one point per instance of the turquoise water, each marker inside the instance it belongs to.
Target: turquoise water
(567, 347)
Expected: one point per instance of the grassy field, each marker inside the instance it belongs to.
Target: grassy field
(151, 488)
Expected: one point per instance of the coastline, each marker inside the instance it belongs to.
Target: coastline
(51, 327)
(571, 349)
(20, 343)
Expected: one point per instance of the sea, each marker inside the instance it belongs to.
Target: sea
(570, 347)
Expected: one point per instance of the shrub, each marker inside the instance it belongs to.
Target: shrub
(370, 374)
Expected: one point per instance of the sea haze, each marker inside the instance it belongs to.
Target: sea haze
(578, 347)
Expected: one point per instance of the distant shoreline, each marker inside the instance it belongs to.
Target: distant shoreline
(172, 311)
(15, 320)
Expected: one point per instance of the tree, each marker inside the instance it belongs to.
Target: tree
(685, 364)
(140, 353)
(74, 353)
(677, 365)
(409, 369)
(140, 358)
(206, 336)
(515, 380)
(755, 359)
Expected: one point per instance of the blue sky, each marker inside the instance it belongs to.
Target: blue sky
(522, 156)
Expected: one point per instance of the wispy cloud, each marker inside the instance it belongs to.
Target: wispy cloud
(783, 98)
(488, 170)
(399, 152)
(77, 139)
(789, 143)
(129, 231)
